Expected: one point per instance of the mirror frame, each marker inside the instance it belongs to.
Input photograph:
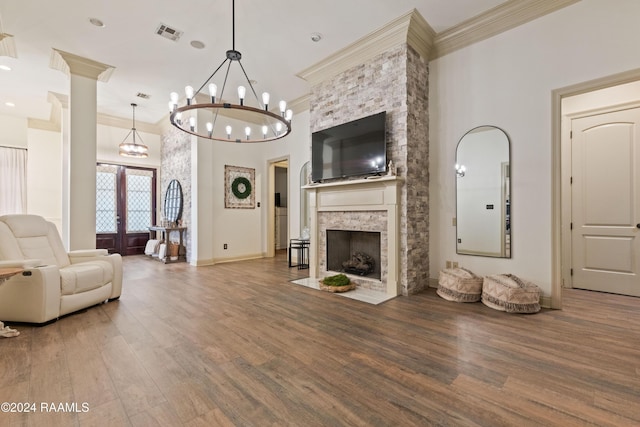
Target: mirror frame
(173, 203)
(506, 190)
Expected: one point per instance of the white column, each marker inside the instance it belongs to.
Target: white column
(79, 134)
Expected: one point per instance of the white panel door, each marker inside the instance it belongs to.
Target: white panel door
(605, 204)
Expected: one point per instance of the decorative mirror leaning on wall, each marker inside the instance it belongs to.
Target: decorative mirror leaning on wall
(173, 203)
(483, 193)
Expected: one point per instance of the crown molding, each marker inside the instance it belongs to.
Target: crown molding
(118, 122)
(410, 28)
(501, 18)
(300, 104)
(59, 101)
(7, 45)
(69, 63)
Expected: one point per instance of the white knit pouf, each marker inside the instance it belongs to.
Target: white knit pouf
(459, 285)
(506, 292)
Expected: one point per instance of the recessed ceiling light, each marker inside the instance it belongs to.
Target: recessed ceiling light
(316, 37)
(197, 44)
(9, 104)
(5, 68)
(96, 22)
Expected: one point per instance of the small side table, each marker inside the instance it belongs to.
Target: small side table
(302, 248)
(5, 274)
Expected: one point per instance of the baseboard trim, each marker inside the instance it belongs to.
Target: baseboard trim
(213, 261)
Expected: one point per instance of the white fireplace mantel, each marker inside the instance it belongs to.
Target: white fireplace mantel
(363, 195)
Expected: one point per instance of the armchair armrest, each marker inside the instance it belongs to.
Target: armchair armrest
(88, 253)
(20, 263)
(115, 260)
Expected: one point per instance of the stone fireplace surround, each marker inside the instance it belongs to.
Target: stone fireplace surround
(358, 205)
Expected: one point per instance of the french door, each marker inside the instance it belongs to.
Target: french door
(125, 208)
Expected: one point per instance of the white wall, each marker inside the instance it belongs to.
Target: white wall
(44, 175)
(506, 81)
(244, 231)
(13, 132)
(44, 161)
(297, 146)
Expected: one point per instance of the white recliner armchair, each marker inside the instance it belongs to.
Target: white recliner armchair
(54, 282)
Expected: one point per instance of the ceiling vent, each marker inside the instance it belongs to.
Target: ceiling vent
(143, 95)
(168, 33)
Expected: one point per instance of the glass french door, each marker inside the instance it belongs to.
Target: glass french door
(125, 208)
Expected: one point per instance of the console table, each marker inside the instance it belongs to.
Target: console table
(164, 234)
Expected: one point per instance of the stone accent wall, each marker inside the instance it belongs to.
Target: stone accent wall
(396, 82)
(355, 221)
(176, 164)
(415, 195)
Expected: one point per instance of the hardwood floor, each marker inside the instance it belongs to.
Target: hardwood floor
(237, 344)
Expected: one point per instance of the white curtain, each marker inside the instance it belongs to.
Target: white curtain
(13, 181)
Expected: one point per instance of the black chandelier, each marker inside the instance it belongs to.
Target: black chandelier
(270, 126)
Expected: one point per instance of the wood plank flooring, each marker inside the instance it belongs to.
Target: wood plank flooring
(238, 345)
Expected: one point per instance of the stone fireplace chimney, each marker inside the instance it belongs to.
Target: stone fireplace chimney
(386, 71)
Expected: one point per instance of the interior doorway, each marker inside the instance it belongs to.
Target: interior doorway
(278, 205)
(591, 99)
(605, 235)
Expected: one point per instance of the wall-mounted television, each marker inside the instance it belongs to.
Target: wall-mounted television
(350, 149)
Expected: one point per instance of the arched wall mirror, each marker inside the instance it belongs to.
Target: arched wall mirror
(173, 202)
(305, 218)
(483, 193)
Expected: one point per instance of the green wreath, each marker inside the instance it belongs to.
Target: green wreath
(235, 187)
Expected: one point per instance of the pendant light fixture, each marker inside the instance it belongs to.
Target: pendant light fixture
(133, 149)
(213, 120)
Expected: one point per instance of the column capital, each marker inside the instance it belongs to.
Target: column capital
(69, 63)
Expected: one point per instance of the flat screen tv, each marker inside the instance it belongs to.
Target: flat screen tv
(350, 149)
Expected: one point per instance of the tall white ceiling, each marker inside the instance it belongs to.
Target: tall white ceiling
(274, 38)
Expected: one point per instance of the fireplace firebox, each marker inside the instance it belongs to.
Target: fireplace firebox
(354, 252)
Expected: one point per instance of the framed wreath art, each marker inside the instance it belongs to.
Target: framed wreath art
(239, 185)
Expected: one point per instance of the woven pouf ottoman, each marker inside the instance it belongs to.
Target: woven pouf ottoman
(459, 285)
(506, 292)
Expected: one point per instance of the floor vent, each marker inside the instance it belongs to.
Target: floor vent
(168, 33)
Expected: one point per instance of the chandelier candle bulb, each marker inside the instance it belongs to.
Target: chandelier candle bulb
(228, 129)
(213, 89)
(210, 128)
(241, 93)
(265, 100)
(288, 115)
(179, 118)
(278, 128)
(189, 92)
(265, 129)
(283, 107)
(192, 123)
(247, 131)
